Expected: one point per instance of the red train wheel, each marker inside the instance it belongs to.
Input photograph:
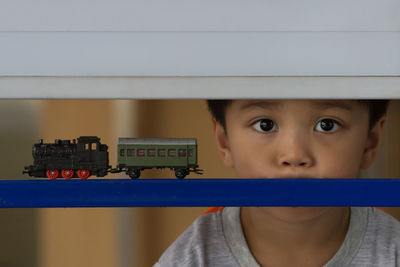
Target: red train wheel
(67, 174)
(83, 174)
(52, 174)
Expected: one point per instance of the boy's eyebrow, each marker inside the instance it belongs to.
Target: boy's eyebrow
(324, 104)
(334, 104)
(261, 104)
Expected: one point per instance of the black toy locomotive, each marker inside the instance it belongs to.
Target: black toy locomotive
(68, 160)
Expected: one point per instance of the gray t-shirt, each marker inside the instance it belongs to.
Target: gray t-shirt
(216, 239)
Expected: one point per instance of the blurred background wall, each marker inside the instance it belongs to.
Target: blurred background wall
(116, 236)
(19, 127)
(81, 236)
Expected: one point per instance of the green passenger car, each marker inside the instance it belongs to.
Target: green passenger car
(137, 154)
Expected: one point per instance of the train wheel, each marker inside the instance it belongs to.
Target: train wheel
(67, 174)
(101, 173)
(52, 174)
(180, 173)
(83, 174)
(134, 174)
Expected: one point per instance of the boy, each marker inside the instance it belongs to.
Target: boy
(293, 139)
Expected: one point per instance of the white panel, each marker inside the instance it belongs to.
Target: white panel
(199, 53)
(200, 15)
(199, 87)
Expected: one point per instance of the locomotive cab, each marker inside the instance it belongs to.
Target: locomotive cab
(92, 155)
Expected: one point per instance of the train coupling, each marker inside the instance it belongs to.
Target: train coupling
(115, 170)
(26, 170)
(198, 171)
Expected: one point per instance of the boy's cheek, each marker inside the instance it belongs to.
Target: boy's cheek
(344, 166)
(348, 163)
(251, 167)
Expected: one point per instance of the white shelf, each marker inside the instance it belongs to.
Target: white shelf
(199, 87)
(200, 53)
(200, 15)
(151, 49)
(200, 38)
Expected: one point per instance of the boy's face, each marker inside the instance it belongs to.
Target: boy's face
(297, 138)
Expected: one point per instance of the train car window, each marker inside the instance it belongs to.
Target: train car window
(161, 153)
(140, 152)
(182, 152)
(86, 146)
(151, 152)
(190, 152)
(130, 152)
(93, 146)
(122, 152)
(171, 152)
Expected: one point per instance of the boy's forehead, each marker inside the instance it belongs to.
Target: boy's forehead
(349, 105)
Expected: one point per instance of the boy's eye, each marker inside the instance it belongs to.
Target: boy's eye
(264, 125)
(327, 125)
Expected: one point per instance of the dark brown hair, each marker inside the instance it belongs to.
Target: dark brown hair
(377, 108)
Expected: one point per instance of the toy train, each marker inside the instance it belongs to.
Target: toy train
(86, 156)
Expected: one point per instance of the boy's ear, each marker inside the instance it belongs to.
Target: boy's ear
(373, 142)
(222, 143)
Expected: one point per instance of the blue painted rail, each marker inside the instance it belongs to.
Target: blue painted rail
(198, 192)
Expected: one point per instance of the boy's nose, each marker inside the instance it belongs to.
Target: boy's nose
(294, 153)
(296, 162)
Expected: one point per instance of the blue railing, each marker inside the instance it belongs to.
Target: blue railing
(198, 192)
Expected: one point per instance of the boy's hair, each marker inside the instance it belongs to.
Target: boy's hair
(377, 108)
